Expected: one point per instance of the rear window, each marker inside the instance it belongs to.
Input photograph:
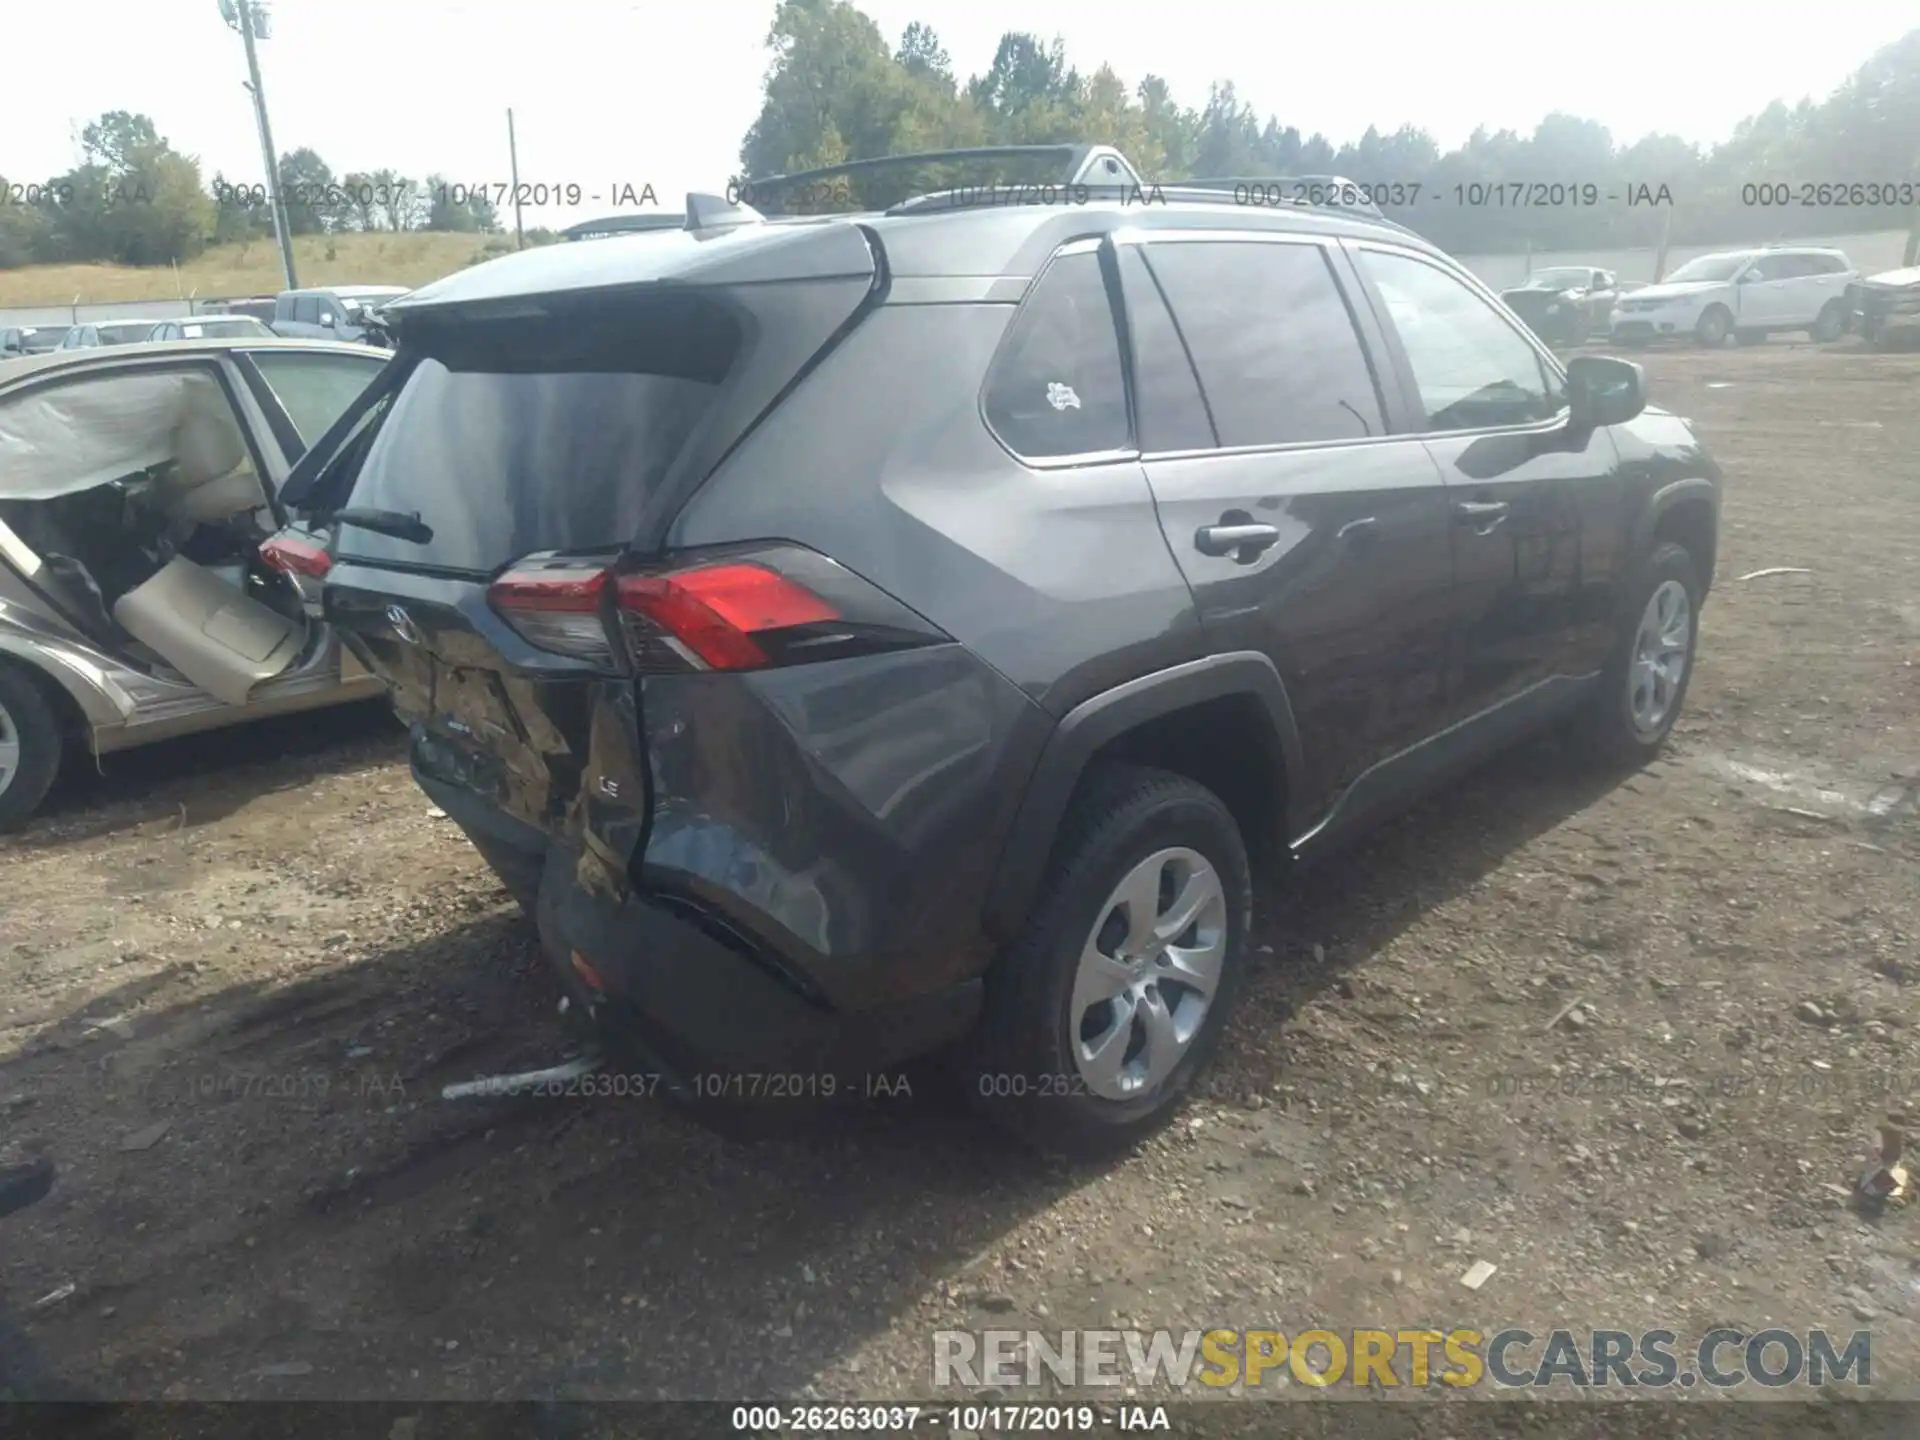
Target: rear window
(516, 436)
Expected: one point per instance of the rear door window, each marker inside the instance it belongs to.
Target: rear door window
(1056, 387)
(552, 434)
(1173, 412)
(1272, 340)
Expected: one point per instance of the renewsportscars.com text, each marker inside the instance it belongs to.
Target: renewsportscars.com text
(1510, 1358)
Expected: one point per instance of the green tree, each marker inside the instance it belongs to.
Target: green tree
(1025, 75)
(361, 194)
(312, 196)
(398, 201)
(451, 207)
(835, 92)
(920, 54)
(134, 199)
(26, 232)
(114, 140)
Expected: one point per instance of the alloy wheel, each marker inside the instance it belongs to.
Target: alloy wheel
(9, 750)
(1662, 649)
(1148, 973)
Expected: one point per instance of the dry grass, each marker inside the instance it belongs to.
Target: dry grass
(413, 258)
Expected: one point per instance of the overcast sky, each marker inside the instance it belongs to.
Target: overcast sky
(607, 91)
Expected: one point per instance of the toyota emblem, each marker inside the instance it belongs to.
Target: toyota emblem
(403, 625)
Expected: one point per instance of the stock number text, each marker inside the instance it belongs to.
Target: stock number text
(1848, 195)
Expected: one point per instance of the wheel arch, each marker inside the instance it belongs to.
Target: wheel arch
(1686, 512)
(1224, 722)
(68, 695)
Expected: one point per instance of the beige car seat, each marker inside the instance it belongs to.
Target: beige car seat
(197, 622)
(208, 631)
(213, 477)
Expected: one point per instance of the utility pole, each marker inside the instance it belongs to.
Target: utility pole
(250, 19)
(513, 163)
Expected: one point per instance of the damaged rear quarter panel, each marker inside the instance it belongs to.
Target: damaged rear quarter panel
(847, 815)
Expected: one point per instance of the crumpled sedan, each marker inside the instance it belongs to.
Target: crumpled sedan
(1885, 305)
(137, 598)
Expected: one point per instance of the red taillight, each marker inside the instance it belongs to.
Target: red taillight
(707, 616)
(716, 610)
(296, 557)
(557, 608)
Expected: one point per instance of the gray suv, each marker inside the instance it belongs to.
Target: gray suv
(854, 636)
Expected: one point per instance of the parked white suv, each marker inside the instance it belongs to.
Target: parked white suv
(1744, 293)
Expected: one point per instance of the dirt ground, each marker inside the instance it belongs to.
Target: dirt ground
(269, 943)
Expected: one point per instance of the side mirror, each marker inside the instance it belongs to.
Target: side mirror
(327, 319)
(1750, 277)
(1604, 391)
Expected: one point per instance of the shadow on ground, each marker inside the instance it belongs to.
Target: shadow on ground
(316, 1223)
(206, 777)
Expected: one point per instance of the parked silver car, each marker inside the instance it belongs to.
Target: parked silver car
(212, 327)
(95, 333)
(19, 340)
(137, 600)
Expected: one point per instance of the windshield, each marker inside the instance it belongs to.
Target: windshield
(236, 325)
(38, 342)
(127, 334)
(1559, 279)
(1707, 267)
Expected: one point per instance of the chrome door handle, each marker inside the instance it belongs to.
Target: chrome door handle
(1483, 515)
(1367, 527)
(1242, 542)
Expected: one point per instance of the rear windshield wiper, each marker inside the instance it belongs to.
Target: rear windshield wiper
(385, 522)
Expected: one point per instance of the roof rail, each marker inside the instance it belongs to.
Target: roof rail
(1079, 165)
(633, 224)
(1095, 172)
(1315, 192)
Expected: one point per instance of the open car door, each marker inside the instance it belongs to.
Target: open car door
(139, 490)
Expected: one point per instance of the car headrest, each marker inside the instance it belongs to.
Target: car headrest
(207, 445)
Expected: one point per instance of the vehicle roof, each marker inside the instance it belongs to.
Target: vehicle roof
(1741, 250)
(978, 242)
(347, 290)
(1904, 276)
(38, 365)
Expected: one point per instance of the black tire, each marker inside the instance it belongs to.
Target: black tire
(1749, 337)
(1607, 727)
(1024, 1073)
(27, 719)
(1831, 322)
(1712, 327)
